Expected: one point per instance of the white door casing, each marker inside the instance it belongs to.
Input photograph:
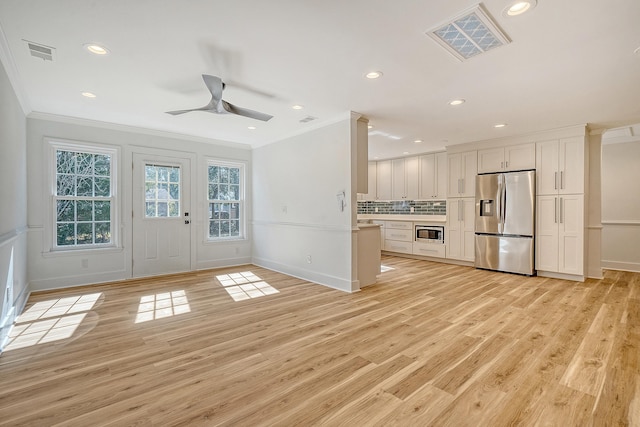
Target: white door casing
(161, 214)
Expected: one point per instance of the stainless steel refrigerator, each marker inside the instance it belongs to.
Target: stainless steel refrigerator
(505, 220)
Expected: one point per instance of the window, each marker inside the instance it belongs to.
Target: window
(83, 196)
(225, 200)
(162, 191)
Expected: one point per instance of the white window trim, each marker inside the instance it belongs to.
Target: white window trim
(50, 235)
(243, 203)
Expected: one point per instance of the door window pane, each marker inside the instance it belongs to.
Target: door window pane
(162, 191)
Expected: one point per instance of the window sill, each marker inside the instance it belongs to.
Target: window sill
(230, 240)
(53, 253)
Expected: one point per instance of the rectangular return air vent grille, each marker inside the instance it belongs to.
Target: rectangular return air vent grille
(469, 34)
(40, 51)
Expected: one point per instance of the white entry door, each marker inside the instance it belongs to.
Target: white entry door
(161, 215)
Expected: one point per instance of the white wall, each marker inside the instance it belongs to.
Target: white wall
(49, 269)
(13, 207)
(621, 205)
(298, 227)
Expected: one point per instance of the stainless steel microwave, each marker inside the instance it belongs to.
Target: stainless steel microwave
(429, 233)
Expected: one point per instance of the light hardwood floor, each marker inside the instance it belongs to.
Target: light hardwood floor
(430, 344)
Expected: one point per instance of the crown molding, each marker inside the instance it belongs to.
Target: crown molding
(12, 72)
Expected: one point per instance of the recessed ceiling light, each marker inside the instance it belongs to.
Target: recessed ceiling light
(374, 74)
(519, 7)
(499, 125)
(455, 102)
(417, 141)
(376, 158)
(88, 95)
(297, 107)
(405, 152)
(251, 127)
(96, 49)
(369, 126)
(637, 51)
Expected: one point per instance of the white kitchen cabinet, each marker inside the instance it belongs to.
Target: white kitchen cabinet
(372, 182)
(436, 250)
(405, 178)
(398, 236)
(383, 180)
(462, 169)
(511, 158)
(433, 176)
(460, 233)
(560, 234)
(560, 166)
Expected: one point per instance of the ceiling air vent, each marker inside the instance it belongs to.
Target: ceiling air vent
(308, 119)
(469, 34)
(40, 51)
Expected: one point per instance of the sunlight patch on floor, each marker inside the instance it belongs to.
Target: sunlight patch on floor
(50, 320)
(245, 285)
(162, 305)
(384, 268)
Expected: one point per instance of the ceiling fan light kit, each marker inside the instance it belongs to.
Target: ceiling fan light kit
(218, 105)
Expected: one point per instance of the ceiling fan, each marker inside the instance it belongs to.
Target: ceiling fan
(218, 105)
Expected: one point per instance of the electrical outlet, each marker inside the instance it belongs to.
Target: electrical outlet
(284, 209)
(308, 259)
(376, 209)
(412, 209)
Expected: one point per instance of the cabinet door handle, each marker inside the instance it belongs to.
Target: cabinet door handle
(506, 164)
(561, 213)
(460, 211)
(501, 165)
(459, 185)
(561, 181)
(555, 180)
(555, 210)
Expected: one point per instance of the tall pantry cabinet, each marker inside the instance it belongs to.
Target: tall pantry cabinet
(462, 169)
(560, 207)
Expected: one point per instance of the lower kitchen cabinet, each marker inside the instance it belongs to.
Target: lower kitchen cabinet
(460, 233)
(398, 236)
(436, 250)
(560, 234)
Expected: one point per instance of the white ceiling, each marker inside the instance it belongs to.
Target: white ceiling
(570, 62)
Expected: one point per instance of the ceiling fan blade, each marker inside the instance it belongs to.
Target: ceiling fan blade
(209, 107)
(175, 113)
(246, 112)
(215, 86)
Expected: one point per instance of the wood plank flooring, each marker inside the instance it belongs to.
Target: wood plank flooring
(429, 344)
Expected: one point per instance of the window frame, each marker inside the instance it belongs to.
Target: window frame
(242, 217)
(52, 146)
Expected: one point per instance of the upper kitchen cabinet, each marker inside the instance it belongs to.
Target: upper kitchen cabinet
(372, 183)
(433, 176)
(383, 180)
(462, 169)
(405, 178)
(511, 158)
(560, 166)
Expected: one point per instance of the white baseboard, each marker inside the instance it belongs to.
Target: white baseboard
(322, 279)
(222, 263)
(561, 276)
(623, 266)
(77, 280)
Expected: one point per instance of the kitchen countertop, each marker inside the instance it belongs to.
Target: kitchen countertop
(367, 225)
(414, 218)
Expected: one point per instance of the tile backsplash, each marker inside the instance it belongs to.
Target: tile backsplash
(403, 207)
